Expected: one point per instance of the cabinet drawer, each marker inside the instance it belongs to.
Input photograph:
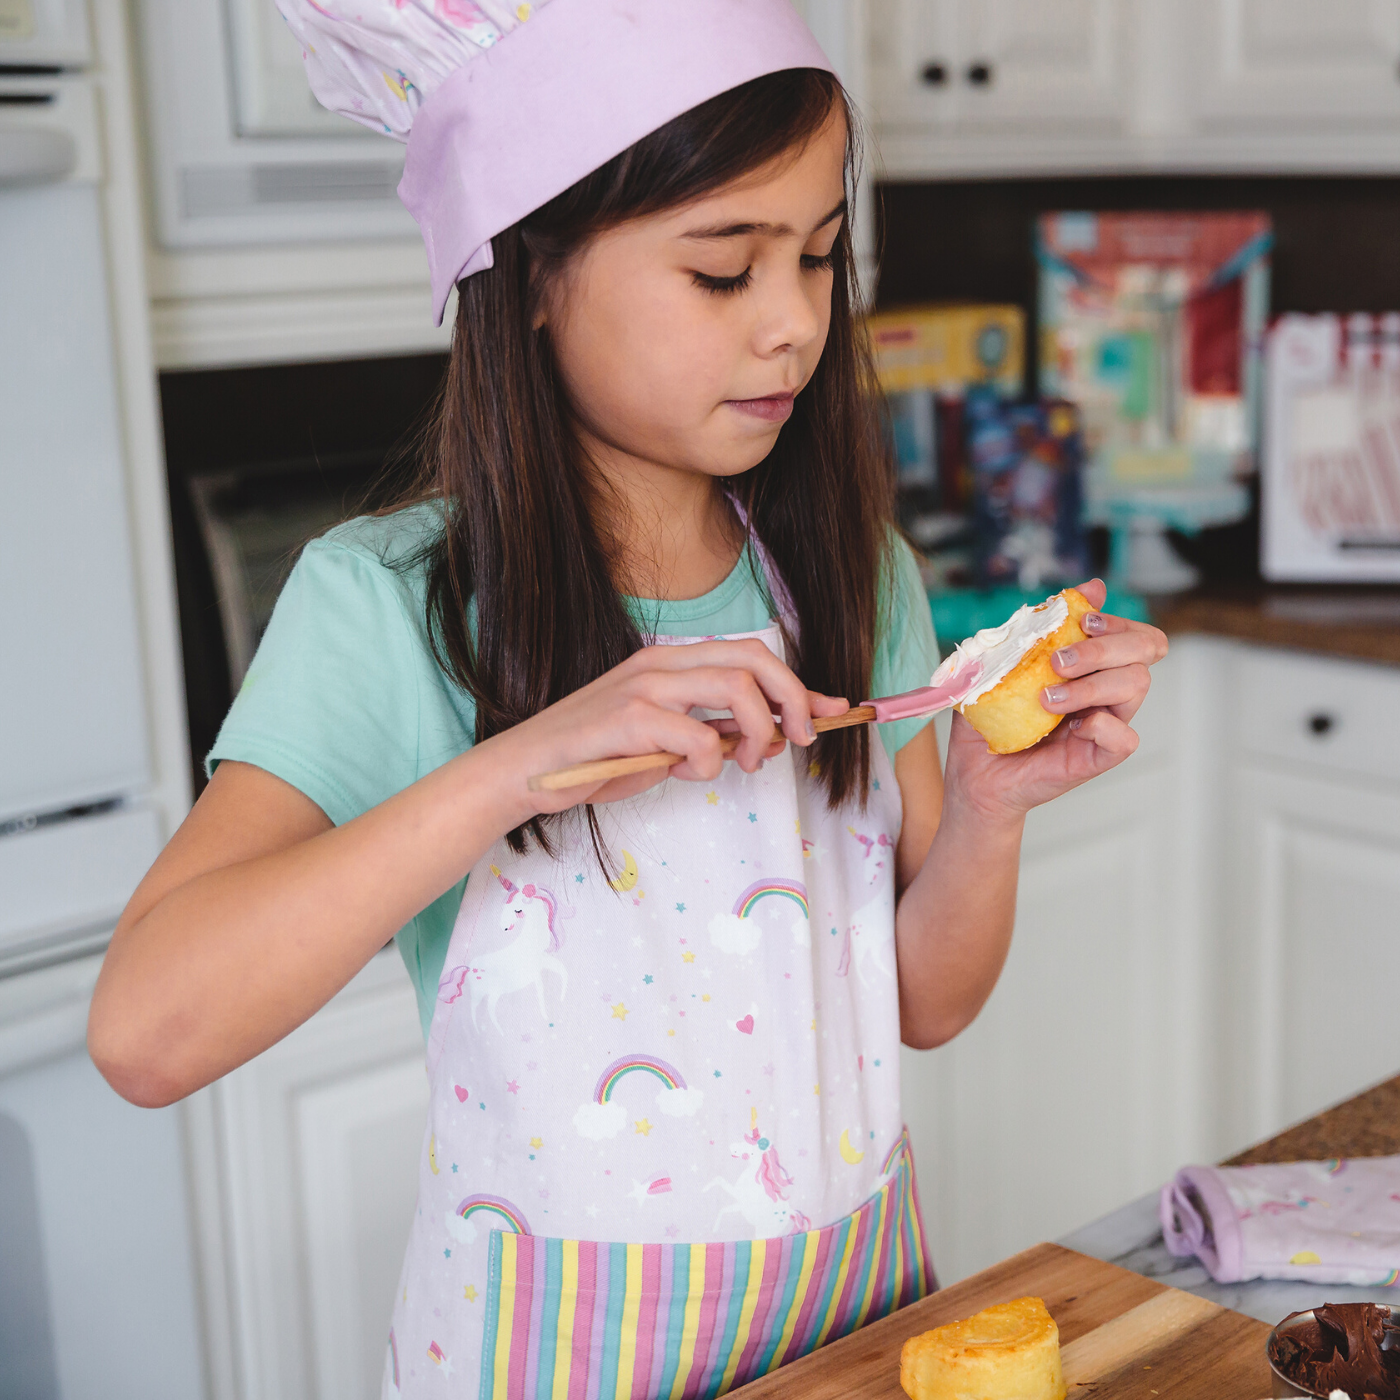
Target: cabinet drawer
(1343, 715)
(74, 876)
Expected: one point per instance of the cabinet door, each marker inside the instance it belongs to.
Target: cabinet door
(1313, 956)
(1050, 1109)
(307, 1173)
(976, 67)
(1297, 63)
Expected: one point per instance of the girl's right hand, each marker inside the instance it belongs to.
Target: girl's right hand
(643, 705)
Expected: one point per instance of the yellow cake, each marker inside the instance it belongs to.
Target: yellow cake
(1007, 1352)
(1004, 670)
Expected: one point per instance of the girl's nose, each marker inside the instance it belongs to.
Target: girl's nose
(790, 320)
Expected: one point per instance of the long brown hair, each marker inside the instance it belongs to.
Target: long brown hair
(522, 604)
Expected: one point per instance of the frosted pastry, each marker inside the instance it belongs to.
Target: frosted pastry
(1011, 666)
(1007, 1352)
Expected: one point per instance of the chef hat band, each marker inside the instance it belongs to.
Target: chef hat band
(501, 117)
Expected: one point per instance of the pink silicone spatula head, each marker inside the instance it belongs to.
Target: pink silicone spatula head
(927, 699)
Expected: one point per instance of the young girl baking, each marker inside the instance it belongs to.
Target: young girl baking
(663, 1013)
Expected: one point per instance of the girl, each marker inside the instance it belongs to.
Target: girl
(664, 1151)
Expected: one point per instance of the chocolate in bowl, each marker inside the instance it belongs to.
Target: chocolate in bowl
(1353, 1347)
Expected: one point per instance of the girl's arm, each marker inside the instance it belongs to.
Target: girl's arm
(959, 852)
(259, 910)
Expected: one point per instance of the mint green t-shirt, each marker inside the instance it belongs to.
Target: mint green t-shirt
(345, 701)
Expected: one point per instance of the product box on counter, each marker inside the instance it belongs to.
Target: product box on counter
(1152, 323)
(927, 358)
(949, 348)
(1331, 476)
(1027, 468)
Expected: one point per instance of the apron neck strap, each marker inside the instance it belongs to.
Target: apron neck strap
(777, 588)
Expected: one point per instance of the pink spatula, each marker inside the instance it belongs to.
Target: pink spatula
(926, 700)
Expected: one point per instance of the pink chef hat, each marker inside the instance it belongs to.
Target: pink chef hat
(504, 106)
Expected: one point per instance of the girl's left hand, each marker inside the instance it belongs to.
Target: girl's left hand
(1106, 679)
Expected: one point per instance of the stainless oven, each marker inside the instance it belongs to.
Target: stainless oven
(261, 460)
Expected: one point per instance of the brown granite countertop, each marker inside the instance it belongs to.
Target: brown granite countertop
(1338, 621)
(1366, 1126)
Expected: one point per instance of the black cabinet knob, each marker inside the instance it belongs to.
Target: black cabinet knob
(935, 74)
(1321, 723)
(980, 74)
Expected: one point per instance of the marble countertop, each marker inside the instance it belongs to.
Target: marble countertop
(1365, 1126)
(1363, 623)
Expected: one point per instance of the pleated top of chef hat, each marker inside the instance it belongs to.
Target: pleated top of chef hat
(504, 106)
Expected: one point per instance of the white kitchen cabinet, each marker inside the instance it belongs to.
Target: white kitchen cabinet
(1072, 1091)
(1078, 86)
(1311, 953)
(1207, 950)
(974, 66)
(306, 1177)
(1288, 65)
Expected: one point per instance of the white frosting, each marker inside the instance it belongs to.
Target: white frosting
(998, 650)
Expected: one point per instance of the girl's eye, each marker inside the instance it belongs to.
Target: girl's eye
(722, 286)
(825, 263)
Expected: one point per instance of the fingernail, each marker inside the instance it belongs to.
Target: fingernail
(1065, 658)
(811, 731)
(1075, 723)
(1054, 693)
(1092, 622)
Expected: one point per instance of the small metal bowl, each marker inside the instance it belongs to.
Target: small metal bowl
(1283, 1387)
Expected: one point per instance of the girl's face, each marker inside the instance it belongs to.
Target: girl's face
(683, 337)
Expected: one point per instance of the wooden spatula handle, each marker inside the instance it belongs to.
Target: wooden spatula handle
(601, 770)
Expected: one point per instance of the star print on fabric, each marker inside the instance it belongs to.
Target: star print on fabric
(469, 1293)
(680, 909)
(447, 1254)
(876, 785)
(712, 798)
(670, 1032)
(619, 1012)
(642, 1126)
(797, 826)
(593, 1212)
(753, 816)
(536, 1142)
(687, 957)
(816, 1088)
(706, 997)
(578, 879)
(512, 1086)
(648, 979)
(718, 1075)
(454, 1168)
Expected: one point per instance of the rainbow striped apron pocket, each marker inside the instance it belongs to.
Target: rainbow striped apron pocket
(579, 1320)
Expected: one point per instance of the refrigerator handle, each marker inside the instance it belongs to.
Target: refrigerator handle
(36, 155)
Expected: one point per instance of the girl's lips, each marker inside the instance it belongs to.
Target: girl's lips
(776, 408)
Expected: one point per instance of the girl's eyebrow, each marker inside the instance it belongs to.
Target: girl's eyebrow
(767, 230)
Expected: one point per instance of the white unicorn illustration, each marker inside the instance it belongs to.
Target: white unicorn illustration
(530, 914)
(871, 929)
(760, 1191)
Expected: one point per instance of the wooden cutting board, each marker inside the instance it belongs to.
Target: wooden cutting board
(1122, 1337)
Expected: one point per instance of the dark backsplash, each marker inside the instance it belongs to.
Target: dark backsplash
(1336, 238)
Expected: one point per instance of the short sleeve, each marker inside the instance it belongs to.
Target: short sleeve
(331, 701)
(906, 650)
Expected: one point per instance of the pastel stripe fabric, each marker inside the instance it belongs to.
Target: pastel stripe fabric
(581, 1320)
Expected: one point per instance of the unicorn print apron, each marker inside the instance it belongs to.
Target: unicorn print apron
(665, 1152)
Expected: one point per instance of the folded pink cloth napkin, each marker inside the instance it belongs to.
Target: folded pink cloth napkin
(1318, 1222)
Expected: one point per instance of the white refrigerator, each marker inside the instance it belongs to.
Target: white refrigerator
(98, 1295)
